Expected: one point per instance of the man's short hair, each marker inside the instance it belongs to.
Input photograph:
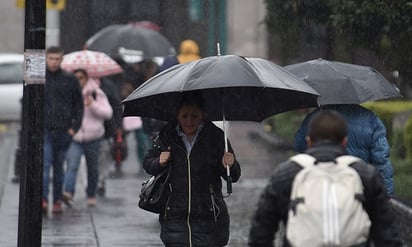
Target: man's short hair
(54, 50)
(327, 125)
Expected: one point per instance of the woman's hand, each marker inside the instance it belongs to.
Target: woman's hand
(228, 159)
(71, 132)
(164, 157)
(88, 99)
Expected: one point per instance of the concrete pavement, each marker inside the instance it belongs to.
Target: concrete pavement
(116, 220)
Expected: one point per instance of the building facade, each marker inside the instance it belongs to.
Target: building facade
(207, 22)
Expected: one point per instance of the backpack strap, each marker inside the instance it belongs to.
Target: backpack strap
(304, 160)
(347, 160)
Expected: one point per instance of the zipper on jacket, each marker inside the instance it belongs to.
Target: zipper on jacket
(167, 202)
(189, 205)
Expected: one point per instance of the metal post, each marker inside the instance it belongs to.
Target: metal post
(211, 29)
(31, 177)
(222, 26)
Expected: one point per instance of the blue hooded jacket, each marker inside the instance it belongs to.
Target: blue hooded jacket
(366, 138)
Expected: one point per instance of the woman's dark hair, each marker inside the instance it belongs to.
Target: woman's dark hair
(83, 71)
(327, 125)
(193, 99)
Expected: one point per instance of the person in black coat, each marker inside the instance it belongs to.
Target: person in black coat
(63, 113)
(326, 139)
(195, 213)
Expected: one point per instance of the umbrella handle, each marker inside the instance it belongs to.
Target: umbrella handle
(229, 185)
(228, 179)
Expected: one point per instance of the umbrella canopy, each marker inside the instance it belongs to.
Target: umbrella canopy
(233, 88)
(131, 42)
(344, 83)
(97, 64)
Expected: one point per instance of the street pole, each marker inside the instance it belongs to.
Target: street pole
(31, 179)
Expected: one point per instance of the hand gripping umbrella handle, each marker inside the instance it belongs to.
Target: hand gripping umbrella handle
(228, 179)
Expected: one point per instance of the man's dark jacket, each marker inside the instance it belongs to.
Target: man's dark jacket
(274, 202)
(63, 102)
(197, 176)
(113, 95)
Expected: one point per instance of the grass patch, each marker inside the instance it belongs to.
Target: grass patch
(403, 179)
(286, 124)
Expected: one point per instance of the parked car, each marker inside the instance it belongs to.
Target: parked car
(11, 86)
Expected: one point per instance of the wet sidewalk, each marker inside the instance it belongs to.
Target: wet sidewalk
(116, 220)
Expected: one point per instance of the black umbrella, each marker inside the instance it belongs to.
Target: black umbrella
(131, 42)
(233, 88)
(238, 88)
(344, 83)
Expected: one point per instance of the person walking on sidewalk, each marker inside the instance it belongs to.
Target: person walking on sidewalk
(142, 128)
(63, 112)
(196, 213)
(112, 128)
(88, 139)
(188, 51)
(326, 141)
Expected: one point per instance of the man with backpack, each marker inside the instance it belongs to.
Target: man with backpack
(325, 197)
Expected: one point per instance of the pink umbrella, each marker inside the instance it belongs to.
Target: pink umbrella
(97, 64)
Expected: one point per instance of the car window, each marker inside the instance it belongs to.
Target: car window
(11, 73)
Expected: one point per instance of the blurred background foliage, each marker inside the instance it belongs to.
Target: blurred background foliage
(373, 32)
(396, 116)
(376, 33)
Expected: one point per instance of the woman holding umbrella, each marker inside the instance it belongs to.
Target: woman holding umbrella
(195, 213)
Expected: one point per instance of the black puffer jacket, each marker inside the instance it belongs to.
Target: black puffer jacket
(274, 202)
(195, 214)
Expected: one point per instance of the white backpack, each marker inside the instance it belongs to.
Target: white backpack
(325, 205)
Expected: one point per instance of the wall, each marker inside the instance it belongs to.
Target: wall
(246, 34)
(11, 27)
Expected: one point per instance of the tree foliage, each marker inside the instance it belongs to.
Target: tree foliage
(382, 26)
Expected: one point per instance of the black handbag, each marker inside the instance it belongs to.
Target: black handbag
(155, 191)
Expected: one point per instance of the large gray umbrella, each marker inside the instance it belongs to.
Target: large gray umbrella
(130, 42)
(233, 88)
(344, 83)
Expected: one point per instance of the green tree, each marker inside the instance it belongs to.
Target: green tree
(381, 26)
(288, 19)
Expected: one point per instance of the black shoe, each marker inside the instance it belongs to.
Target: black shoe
(101, 191)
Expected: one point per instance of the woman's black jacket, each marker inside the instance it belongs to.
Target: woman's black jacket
(195, 214)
